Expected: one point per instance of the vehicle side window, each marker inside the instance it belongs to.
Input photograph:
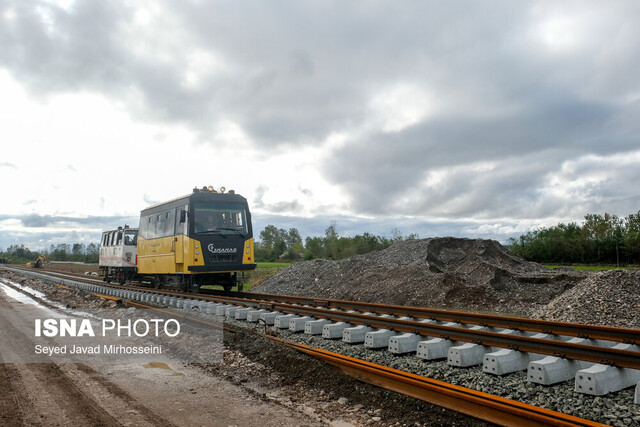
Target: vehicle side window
(130, 238)
(169, 224)
(143, 227)
(151, 232)
(181, 226)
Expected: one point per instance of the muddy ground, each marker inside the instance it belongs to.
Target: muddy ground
(258, 382)
(72, 267)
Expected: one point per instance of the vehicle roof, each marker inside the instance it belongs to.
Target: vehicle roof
(202, 195)
(122, 229)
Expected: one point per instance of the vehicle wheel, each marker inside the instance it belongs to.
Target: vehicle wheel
(185, 285)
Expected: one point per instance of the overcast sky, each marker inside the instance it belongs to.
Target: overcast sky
(464, 118)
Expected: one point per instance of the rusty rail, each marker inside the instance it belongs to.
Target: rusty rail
(477, 404)
(289, 304)
(626, 335)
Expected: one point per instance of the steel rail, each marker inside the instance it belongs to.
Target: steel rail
(474, 403)
(470, 402)
(604, 355)
(625, 335)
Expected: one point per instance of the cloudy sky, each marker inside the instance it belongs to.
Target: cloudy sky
(465, 118)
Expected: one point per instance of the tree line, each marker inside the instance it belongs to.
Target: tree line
(600, 239)
(77, 252)
(274, 244)
(278, 244)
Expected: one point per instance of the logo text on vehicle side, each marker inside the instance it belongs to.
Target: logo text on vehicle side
(215, 250)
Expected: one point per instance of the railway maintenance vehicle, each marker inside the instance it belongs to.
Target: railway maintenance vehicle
(202, 238)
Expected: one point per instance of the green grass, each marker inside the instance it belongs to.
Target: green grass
(262, 271)
(273, 264)
(589, 267)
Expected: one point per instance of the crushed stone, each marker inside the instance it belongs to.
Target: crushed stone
(610, 298)
(448, 272)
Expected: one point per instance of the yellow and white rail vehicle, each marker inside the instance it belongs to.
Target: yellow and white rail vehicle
(118, 253)
(203, 238)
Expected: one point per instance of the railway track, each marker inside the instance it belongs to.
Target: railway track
(488, 335)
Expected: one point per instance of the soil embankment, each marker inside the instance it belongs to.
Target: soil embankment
(453, 273)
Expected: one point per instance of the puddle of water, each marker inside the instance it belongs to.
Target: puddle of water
(29, 302)
(24, 288)
(27, 293)
(159, 365)
(18, 296)
(162, 365)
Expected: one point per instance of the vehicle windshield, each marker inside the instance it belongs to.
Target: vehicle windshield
(131, 237)
(219, 218)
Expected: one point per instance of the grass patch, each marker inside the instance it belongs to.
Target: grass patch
(262, 271)
(273, 264)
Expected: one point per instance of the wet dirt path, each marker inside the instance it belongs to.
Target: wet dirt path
(71, 394)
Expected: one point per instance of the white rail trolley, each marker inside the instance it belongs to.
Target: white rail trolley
(119, 254)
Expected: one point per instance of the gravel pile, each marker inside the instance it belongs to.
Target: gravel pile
(610, 298)
(445, 272)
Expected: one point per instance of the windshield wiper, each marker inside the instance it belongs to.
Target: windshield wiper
(235, 230)
(215, 230)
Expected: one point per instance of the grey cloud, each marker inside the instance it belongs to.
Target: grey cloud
(526, 145)
(306, 191)
(279, 207)
(39, 221)
(39, 231)
(298, 72)
(149, 201)
(79, 53)
(8, 165)
(259, 195)
(295, 73)
(351, 226)
(36, 221)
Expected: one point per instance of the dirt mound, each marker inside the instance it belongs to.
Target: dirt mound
(610, 298)
(439, 272)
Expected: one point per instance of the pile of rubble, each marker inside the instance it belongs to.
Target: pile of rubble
(453, 273)
(610, 298)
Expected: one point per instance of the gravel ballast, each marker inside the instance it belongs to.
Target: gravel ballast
(617, 409)
(610, 298)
